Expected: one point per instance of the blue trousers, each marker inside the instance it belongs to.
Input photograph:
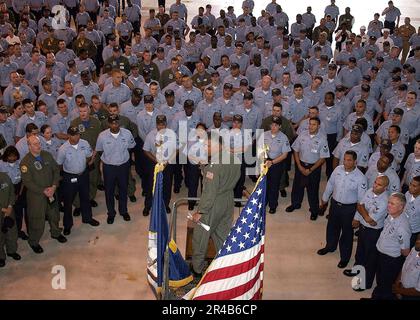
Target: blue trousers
(113, 176)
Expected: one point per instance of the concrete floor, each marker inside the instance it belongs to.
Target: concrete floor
(109, 262)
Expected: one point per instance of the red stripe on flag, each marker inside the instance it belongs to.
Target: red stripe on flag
(231, 271)
(257, 295)
(232, 293)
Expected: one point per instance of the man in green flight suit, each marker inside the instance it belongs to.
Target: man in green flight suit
(8, 233)
(40, 176)
(89, 128)
(216, 204)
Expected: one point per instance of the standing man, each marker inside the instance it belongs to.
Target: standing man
(74, 156)
(216, 205)
(115, 143)
(406, 31)
(40, 176)
(309, 20)
(7, 220)
(332, 118)
(391, 14)
(310, 150)
(347, 186)
(412, 208)
(393, 246)
(369, 218)
(160, 147)
(180, 8)
(89, 129)
(407, 286)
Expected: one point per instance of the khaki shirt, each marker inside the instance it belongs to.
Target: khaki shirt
(406, 32)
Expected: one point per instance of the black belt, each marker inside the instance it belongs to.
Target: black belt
(368, 228)
(343, 204)
(306, 165)
(74, 174)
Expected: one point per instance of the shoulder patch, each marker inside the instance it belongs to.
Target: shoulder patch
(24, 169)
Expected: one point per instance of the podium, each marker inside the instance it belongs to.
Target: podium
(211, 251)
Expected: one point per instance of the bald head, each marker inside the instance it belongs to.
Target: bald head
(381, 184)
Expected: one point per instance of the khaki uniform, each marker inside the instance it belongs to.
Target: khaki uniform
(129, 125)
(36, 177)
(87, 44)
(216, 207)
(7, 198)
(90, 135)
(50, 45)
(406, 32)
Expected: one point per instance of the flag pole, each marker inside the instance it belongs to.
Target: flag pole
(165, 283)
(264, 170)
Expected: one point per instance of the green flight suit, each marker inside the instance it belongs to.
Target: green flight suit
(101, 115)
(90, 135)
(36, 177)
(121, 63)
(216, 207)
(153, 68)
(201, 81)
(7, 198)
(129, 125)
(166, 77)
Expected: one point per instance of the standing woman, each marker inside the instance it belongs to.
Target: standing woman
(10, 165)
(49, 143)
(278, 148)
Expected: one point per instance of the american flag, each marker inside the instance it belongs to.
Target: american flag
(236, 273)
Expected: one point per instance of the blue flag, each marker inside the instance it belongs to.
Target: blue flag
(179, 273)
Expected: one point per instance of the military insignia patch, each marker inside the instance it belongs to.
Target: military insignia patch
(38, 165)
(81, 128)
(24, 169)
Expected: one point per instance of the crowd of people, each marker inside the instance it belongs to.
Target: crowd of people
(88, 88)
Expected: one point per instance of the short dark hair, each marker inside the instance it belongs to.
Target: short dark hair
(396, 128)
(44, 127)
(351, 153)
(390, 157)
(412, 92)
(31, 127)
(315, 119)
(26, 101)
(60, 101)
(10, 150)
(363, 122)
